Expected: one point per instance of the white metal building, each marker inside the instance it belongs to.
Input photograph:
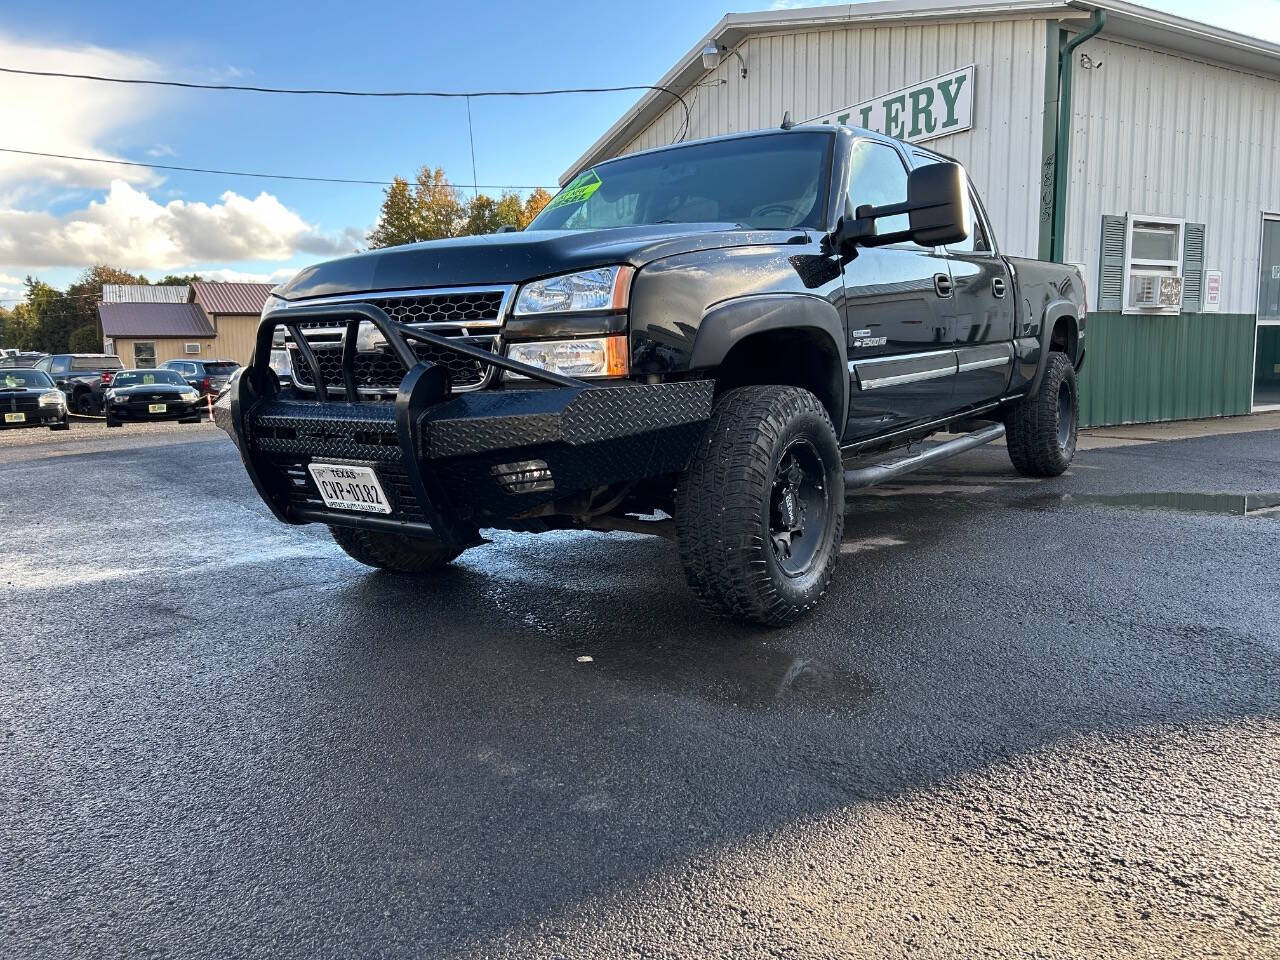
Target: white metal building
(1164, 185)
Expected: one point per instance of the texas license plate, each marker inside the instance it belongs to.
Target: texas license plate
(349, 488)
(15, 418)
(157, 408)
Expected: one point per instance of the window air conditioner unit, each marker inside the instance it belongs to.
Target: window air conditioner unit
(1155, 291)
(191, 348)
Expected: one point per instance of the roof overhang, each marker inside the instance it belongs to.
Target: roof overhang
(1125, 21)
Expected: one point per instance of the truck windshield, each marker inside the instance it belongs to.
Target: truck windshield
(776, 182)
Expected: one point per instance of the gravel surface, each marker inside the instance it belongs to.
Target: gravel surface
(1032, 719)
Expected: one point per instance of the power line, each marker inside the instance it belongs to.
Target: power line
(245, 173)
(325, 92)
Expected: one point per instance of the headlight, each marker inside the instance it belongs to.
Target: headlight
(279, 362)
(594, 357)
(605, 288)
(53, 398)
(188, 393)
(274, 303)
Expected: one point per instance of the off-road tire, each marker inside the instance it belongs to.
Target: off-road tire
(1038, 444)
(723, 504)
(83, 403)
(393, 551)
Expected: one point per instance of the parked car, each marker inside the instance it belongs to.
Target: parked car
(210, 377)
(19, 358)
(83, 377)
(143, 396)
(712, 341)
(28, 398)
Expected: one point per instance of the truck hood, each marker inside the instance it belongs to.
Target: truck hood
(516, 257)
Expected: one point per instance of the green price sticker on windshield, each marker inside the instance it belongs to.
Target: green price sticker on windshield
(579, 191)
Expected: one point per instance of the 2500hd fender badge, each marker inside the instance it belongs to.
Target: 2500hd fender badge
(863, 338)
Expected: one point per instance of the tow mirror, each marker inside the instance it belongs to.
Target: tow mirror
(937, 209)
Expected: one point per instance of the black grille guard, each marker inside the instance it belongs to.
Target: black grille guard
(452, 448)
(395, 334)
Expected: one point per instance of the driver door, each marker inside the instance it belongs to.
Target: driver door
(901, 354)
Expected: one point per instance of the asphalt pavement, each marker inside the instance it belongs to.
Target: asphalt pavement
(1033, 719)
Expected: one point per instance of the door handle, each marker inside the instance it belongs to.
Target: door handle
(942, 285)
(997, 287)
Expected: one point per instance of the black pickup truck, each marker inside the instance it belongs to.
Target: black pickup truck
(83, 377)
(712, 341)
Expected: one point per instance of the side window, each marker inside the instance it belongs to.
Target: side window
(43, 364)
(877, 176)
(60, 365)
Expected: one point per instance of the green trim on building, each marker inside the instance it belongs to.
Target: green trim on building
(1140, 369)
(1049, 136)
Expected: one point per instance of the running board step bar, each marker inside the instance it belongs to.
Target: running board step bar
(879, 472)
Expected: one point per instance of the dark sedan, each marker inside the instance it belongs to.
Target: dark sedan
(141, 396)
(28, 398)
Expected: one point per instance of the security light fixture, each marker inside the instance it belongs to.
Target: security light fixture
(712, 53)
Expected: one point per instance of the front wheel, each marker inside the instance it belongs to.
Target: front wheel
(1042, 428)
(84, 404)
(393, 551)
(760, 509)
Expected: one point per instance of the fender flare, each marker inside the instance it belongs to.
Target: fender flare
(1053, 313)
(728, 323)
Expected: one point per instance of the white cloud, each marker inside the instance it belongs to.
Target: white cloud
(161, 150)
(130, 229)
(70, 116)
(246, 276)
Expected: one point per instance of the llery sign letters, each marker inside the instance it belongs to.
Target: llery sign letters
(929, 109)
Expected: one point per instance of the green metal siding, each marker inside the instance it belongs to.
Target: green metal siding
(1141, 369)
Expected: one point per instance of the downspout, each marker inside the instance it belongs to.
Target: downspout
(1061, 167)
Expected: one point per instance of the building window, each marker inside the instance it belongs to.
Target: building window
(191, 348)
(1153, 274)
(144, 354)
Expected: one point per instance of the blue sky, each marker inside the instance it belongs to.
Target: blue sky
(59, 217)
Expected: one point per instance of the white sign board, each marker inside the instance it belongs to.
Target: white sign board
(922, 111)
(1212, 291)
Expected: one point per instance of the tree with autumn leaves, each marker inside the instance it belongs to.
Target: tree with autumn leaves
(431, 208)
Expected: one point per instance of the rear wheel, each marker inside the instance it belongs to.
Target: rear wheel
(84, 404)
(1042, 428)
(760, 510)
(393, 551)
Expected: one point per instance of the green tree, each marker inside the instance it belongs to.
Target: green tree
(85, 339)
(16, 327)
(484, 215)
(52, 317)
(85, 294)
(431, 209)
(179, 279)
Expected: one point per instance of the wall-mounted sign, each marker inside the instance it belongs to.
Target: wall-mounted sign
(923, 111)
(1212, 291)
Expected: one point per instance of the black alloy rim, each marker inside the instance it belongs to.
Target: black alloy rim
(1066, 415)
(798, 507)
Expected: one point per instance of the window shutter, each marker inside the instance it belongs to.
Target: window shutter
(1193, 268)
(1111, 269)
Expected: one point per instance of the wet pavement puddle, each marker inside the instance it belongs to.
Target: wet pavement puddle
(750, 676)
(1230, 504)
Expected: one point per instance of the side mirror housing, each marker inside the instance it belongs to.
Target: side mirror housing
(937, 207)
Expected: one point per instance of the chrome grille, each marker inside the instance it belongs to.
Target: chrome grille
(473, 315)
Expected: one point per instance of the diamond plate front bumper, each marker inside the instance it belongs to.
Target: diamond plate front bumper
(451, 464)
